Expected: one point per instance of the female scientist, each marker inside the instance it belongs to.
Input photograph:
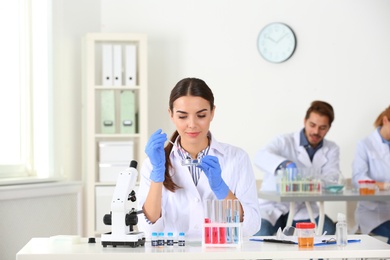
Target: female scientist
(372, 162)
(172, 195)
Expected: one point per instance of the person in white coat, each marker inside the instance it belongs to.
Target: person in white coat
(172, 196)
(372, 162)
(306, 148)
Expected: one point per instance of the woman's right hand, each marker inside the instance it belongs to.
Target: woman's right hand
(155, 151)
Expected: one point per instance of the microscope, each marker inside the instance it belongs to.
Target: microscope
(122, 217)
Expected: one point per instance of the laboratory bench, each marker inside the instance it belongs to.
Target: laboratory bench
(346, 195)
(48, 248)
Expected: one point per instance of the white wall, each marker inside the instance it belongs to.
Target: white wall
(38, 210)
(342, 57)
(72, 19)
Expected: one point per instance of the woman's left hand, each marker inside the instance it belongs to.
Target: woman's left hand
(210, 166)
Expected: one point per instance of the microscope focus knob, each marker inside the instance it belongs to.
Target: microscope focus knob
(131, 219)
(107, 219)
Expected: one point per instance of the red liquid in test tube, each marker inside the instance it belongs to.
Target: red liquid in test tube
(207, 232)
(215, 219)
(222, 235)
(221, 218)
(215, 235)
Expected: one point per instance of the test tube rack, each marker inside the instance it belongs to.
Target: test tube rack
(299, 187)
(222, 234)
(298, 181)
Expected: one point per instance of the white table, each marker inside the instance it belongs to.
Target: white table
(346, 195)
(45, 249)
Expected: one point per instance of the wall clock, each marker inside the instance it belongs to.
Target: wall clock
(276, 42)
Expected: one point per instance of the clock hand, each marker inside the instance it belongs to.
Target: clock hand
(281, 38)
(272, 40)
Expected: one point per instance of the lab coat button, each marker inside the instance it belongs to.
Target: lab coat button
(197, 199)
(196, 227)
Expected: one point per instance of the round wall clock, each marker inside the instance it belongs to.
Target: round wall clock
(276, 42)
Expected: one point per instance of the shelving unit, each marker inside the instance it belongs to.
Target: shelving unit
(98, 193)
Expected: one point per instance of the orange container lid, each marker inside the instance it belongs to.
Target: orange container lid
(305, 225)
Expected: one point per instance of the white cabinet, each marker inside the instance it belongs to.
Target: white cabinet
(115, 116)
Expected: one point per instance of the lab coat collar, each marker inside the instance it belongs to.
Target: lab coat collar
(215, 146)
(379, 140)
(383, 139)
(303, 157)
(305, 143)
(319, 158)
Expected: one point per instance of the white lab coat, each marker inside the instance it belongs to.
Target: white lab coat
(286, 147)
(183, 210)
(371, 162)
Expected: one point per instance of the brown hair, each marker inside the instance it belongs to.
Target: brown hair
(185, 87)
(379, 121)
(323, 108)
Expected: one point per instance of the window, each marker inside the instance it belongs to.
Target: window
(25, 91)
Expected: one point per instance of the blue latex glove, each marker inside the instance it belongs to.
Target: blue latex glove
(155, 151)
(210, 166)
(292, 170)
(291, 165)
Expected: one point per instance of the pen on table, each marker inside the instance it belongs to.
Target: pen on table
(273, 241)
(333, 242)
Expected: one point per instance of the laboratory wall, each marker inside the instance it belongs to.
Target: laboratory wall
(72, 19)
(39, 210)
(342, 57)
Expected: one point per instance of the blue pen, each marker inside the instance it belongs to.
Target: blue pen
(324, 242)
(333, 242)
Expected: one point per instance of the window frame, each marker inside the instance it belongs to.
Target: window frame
(35, 94)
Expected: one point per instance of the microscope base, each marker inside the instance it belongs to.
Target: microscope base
(134, 239)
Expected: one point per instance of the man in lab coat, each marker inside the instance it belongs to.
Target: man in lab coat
(306, 148)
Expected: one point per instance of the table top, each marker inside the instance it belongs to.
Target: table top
(45, 248)
(346, 195)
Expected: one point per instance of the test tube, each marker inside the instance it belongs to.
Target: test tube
(236, 218)
(221, 219)
(214, 219)
(294, 178)
(279, 178)
(207, 219)
(284, 185)
(228, 210)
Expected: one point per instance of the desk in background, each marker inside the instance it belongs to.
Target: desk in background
(45, 249)
(347, 195)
